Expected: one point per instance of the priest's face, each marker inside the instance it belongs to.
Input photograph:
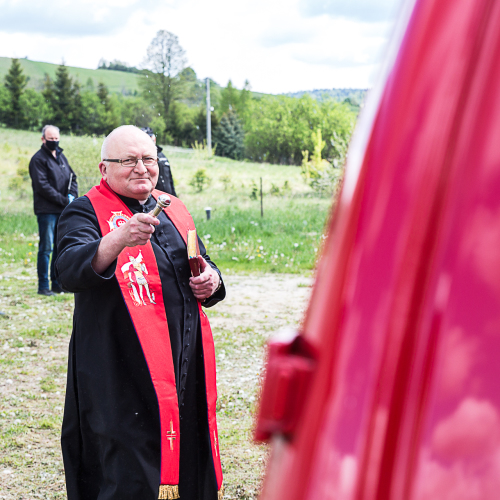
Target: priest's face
(134, 182)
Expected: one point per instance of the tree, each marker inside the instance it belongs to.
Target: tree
(229, 99)
(15, 82)
(161, 84)
(103, 94)
(34, 109)
(229, 136)
(64, 99)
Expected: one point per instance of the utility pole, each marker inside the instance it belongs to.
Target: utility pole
(209, 120)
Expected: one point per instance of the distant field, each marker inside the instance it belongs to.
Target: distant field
(286, 240)
(116, 81)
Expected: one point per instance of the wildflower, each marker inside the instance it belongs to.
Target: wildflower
(295, 245)
(233, 229)
(261, 248)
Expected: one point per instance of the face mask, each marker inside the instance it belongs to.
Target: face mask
(51, 145)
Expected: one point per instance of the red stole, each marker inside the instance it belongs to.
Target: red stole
(140, 284)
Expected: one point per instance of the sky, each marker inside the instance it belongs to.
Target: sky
(278, 45)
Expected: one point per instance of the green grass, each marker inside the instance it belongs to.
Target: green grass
(116, 81)
(238, 239)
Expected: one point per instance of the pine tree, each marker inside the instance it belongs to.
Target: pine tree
(64, 94)
(229, 136)
(76, 117)
(50, 99)
(15, 82)
(103, 94)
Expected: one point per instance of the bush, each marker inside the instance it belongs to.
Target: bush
(200, 180)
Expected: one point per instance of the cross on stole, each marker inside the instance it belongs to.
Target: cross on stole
(215, 441)
(171, 435)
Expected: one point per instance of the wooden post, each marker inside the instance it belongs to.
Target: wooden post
(261, 202)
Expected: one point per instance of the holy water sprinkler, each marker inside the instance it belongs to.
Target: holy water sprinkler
(162, 202)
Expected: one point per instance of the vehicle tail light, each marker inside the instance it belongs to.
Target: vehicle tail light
(290, 366)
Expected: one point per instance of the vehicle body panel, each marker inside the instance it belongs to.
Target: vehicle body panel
(404, 317)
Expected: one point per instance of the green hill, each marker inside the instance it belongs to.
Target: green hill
(116, 81)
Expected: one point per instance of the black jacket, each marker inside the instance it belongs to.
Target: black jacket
(165, 181)
(50, 180)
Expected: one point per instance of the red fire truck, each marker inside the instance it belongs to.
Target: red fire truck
(391, 390)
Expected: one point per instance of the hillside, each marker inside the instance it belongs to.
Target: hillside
(355, 95)
(116, 81)
(128, 83)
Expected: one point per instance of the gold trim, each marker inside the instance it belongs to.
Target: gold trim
(220, 493)
(168, 492)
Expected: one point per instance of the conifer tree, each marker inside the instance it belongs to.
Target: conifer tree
(103, 94)
(15, 82)
(229, 136)
(64, 100)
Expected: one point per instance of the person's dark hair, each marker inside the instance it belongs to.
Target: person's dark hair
(148, 131)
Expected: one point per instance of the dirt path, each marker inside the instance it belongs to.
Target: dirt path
(34, 335)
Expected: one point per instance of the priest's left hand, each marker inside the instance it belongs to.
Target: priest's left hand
(206, 283)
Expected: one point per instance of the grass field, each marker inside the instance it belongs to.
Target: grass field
(116, 81)
(286, 239)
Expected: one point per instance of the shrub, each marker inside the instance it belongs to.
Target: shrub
(200, 180)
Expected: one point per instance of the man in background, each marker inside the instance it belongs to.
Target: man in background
(54, 187)
(165, 180)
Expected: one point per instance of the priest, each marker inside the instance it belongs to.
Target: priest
(139, 418)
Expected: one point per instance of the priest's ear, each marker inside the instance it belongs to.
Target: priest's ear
(102, 169)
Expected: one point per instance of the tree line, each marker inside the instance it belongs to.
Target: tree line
(264, 128)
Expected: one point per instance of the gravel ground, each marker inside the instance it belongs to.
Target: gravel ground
(34, 336)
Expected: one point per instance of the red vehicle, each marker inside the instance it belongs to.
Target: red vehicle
(391, 391)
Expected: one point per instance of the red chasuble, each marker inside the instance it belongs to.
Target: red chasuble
(140, 284)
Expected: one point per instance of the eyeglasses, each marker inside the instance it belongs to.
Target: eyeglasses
(148, 161)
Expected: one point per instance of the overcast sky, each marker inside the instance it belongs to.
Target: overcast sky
(278, 45)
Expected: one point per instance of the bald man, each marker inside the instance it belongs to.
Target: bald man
(139, 419)
(54, 187)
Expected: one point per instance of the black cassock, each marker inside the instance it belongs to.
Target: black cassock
(111, 427)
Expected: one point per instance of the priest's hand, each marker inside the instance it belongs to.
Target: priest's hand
(206, 284)
(136, 231)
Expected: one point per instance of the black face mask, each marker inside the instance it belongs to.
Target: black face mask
(51, 145)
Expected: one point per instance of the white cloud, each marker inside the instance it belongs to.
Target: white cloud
(273, 43)
(362, 10)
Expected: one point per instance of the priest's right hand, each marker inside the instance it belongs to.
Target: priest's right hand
(138, 230)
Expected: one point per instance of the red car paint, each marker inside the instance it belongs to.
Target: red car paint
(402, 335)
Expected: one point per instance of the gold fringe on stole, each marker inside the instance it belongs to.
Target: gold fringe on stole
(220, 493)
(168, 492)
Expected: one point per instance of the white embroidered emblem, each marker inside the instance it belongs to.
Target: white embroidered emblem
(136, 271)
